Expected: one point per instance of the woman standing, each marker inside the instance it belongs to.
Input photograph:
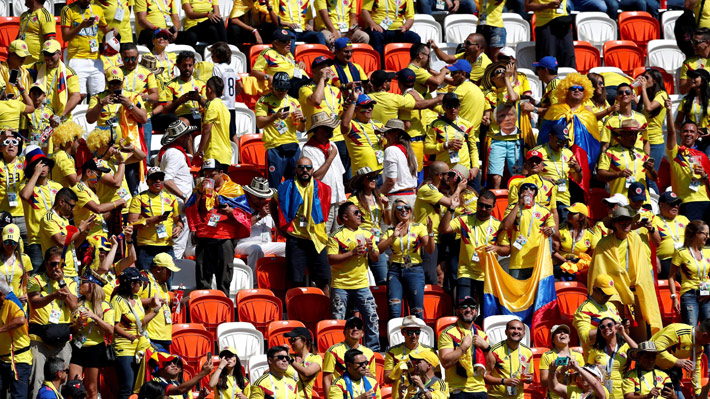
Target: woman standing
(610, 353)
(92, 321)
(559, 335)
(653, 96)
(228, 379)
(400, 163)
(575, 239)
(406, 273)
(598, 103)
(16, 266)
(694, 105)
(693, 261)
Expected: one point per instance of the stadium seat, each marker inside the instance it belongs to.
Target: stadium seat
(379, 368)
(457, 27)
(517, 29)
(366, 56)
(244, 337)
(537, 353)
(9, 27)
(395, 335)
(243, 174)
(308, 305)
(271, 275)
(668, 79)
(200, 293)
(178, 48)
(668, 19)
(397, 56)
(242, 278)
(379, 292)
(258, 365)
(308, 52)
(623, 54)
(386, 391)
(586, 56)
(185, 278)
(205, 381)
(665, 303)
(79, 117)
(252, 150)
(562, 72)
(569, 296)
(444, 322)
(254, 51)
(501, 203)
(597, 209)
(665, 54)
(596, 28)
(210, 311)
(525, 54)
(318, 384)
(329, 333)
(541, 333)
(276, 330)
(427, 28)
(639, 27)
(246, 120)
(675, 103)
(259, 307)
(191, 342)
(535, 83)
(494, 326)
(437, 303)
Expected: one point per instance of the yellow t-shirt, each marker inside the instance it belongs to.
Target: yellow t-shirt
(675, 341)
(108, 193)
(615, 120)
(575, 246)
(51, 87)
(229, 392)
(491, 13)
(140, 80)
(271, 61)
(117, 14)
(475, 233)
(389, 105)
(547, 98)
(397, 10)
(338, 13)
(556, 167)
(219, 147)
(17, 339)
(24, 77)
(693, 64)
(597, 108)
(589, 315)
(692, 271)
(332, 104)
(371, 217)
(34, 28)
(87, 39)
(53, 224)
(654, 131)
(82, 212)
(478, 65)
(441, 132)
(451, 338)
(160, 327)
(618, 158)
(41, 284)
(272, 387)
(682, 175)
(600, 231)
(395, 358)
(548, 358)
(125, 313)
(198, 6)
(426, 206)
(411, 244)
(528, 224)
(158, 13)
(334, 359)
(672, 234)
(93, 334)
(64, 166)
(167, 62)
(36, 123)
(12, 176)
(639, 382)
(294, 12)
(305, 388)
(509, 364)
(421, 75)
(15, 270)
(546, 191)
(10, 112)
(702, 18)
(545, 16)
(269, 105)
(352, 273)
(472, 102)
(619, 363)
(176, 88)
(147, 205)
(363, 145)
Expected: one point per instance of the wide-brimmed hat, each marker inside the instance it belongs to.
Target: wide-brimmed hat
(411, 322)
(360, 174)
(91, 276)
(629, 125)
(149, 62)
(646, 346)
(323, 119)
(259, 187)
(394, 125)
(620, 212)
(176, 130)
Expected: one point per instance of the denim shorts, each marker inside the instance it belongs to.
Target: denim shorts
(494, 36)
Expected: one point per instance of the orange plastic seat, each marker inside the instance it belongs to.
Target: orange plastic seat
(205, 381)
(394, 87)
(58, 31)
(639, 27)
(276, 330)
(329, 333)
(586, 56)
(397, 56)
(386, 392)
(537, 355)
(668, 315)
(252, 151)
(271, 275)
(191, 342)
(9, 27)
(318, 385)
(437, 303)
(198, 293)
(442, 323)
(243, 174)
(308, 52)
(569, 296)
(211, 311)
(623, 54)
(541, 333)
(379, 292)
(254, 51)
(366, 56)
(258, 307)
(379, 368)
(501, 203)
(668, 79)
(308, 305)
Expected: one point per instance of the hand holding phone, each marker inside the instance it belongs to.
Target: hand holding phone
(14, 75)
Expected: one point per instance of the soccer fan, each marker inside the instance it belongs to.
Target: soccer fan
(159, 329)
(296, 18)
(701, 48)
(337, 19)
(475, 47)
(59, 82)
(215, 141)
(356, 374)
(399, 356)
(334, 365)
(37, 24)
(16, 367)
(274, 384)
(202, 23)
(512, 366)
(183, 96)
(156, 15)
(306, 364)
(389, 24)
(65, 140)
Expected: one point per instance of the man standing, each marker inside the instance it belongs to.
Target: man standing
(671, 227)
(701, 60)
(349, 249)
(334, 365)
(470, 95)
(594, 309)
(215, 142)
(182, 96)
(553, 38)
(274, 384)
(365, 148)
(680, 348)
(301, 212)
(389, 24)
(17, 53)
(355, 382)
(16, 364)
(512, 366)
(490, 25)
(546, 70)
(399, 356)
(65, 139)
(474, 52)
(389, 104)
(59, 82)
(88, 204)
(140, 80)
(37, 24)
(12, 174)
(625, 97)
(159, 327)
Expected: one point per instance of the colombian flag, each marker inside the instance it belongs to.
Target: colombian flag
(533, 300)
(316, 203)
(583, 127)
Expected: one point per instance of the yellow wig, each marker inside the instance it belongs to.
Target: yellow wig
(98, 138)
(65, 133)
(573, 79)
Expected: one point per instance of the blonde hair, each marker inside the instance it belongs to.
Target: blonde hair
(97, 298)
(573, 79)
(394, 217)
(65, 133)
(98, 138)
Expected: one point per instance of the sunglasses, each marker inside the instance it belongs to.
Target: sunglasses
(11, 141)
(467, 43)
(357, 212)
(674, 205)
(48, 54)
(371, 177)
(293, 339)
(412, 332)
(402, 208)
(55, 264)
(367, 108)
(609, 325)
(10, 242)
(281, 358)
(71, 205)
(306, 167)
(356, 327)
(696, 42)
(130, 59)
(623, 92)
(577, 88)
(468, 306)
(484, 206)
(361, 364)
(164, 37)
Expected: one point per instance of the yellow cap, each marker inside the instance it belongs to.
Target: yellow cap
(426, 355)
(11, 232)
(229, 349)
(605, 283)
(114, 73)
(51, 46)
(579, 207)
(19, 47)
(165, 260)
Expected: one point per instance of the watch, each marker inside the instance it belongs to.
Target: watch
(266, 76)
(130, 108)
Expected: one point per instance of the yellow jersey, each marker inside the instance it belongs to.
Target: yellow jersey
(272, 387)
(147, 205)
(35, 27)
(126, 313)
(332, 104)
(219, 147)
(525, 235)
(475, 233)
(459, 376)
(589, 315)
(14, 341)
(86, 43)
(684, 180)
(510, 364)
(305, 387)
(692, 271)
(618, 158)
(352, 273)
(364, 145)
(334, 359)
(51, 225)
(282, 131)
(12, 177)
(397, 11)
(410, 245)
(396, 359)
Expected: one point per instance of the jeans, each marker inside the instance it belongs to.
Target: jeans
(345, 159)
(521, 274)
(34, 251)
(691, 310)
(363, 301)
(148, 134)
(165, 345)
(126, 372)
(379, 269)
(411, 281)
(606, 6)
(379, 39)
(465, 7)
(657, 153)
(146, 253)
(19, 388)
(308, 36)
(695, 210)
(518, 7)
(282, 162)
(429, 262)
(469, 287)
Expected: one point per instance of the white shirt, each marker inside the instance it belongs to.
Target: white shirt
(333, 177)
(260, 231)
(175, 167)
(396, 167)
(229, 77)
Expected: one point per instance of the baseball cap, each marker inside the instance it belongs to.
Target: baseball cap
(669, 197)
(364, 99)
(211, 164)
(406, 77)
(618, 199)
(162, 31)
(281, 35)
(579, 207)
(548, 62)
(93, 165)
(300, 332)
(11, 232)
(130, 275)
(560, 130)
(281, 81)
(113, 73)
(51, 46)
(460, 65)
(468, 300)
(37, 86)
(112, 41)
(228, 350)
(605, 283)
(321, 60)
(637, 192)
(428, 356)
(354, 322)
(558, 327)
(74, 389)
(153, 173)
(165, 260)
(450, 100)
(103, 244)
(19, 47)
(534, 154)
(380, 76)
(342, 42)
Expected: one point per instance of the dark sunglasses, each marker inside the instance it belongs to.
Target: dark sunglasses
(306, 167)
(623, 92)
(371, 177)
(130, 59)
(356, 328)
(468, 306)
(47, 54)
(467, 43)
(54, 264)
(696, 42)
(484, 206)
(357, 212)
(10, 242)
(282, 357)
(293, 339)
(577, 88)
(70, 205)
(361, 364)
(164, 37)
(367, 108)
(609, 325)
(412, 332)
(401, 208)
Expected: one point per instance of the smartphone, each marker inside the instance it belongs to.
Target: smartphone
(286, 109)
(652, 160)
(644, 220)
(166, 214)
(117, 92)
(14, 74)
(562, 361)
(209, 355)
(61, 283)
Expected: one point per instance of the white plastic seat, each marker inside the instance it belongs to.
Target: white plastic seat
(235, 153)
(245, 119)
(525, 54)
(562, 72)
(517, 29)
(447, 48)
(494, 326)
(665, 54)
(596, 27)
(142, 49)
(427, 28)
(675, 103)
(79, 117)
(238, 62)
(427, 336)
(257, 366)
(668, 20)
(608, 69)
(535, 83)
(177, 48)
(155, 145)
(458, 26)
(242, 278)
(244, 337)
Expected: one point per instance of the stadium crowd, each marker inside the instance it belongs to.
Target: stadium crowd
(404, 179)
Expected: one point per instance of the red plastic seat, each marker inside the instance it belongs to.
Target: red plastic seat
(9, 27)
(211, 311)
(668, 79)
(58, 30)
(276, 330)
(442, 323)
(665, 303)
(308, 52)
(329, 333)
(541, 333)
(597, 209)
(639, 27)
(379, 292)
(569, 296)
(386, 392)
(623, 54)
(254, 51)
(191, 342)
(397, 56)
(437, 303)
(501, 203)
(586, 56)
(271, 275)
(199, 293)
(366, 56)
(243, 174)
(258, 307)
(205, 381)
(252, 151)
(537, 355)
(379, 368)
(308, 305)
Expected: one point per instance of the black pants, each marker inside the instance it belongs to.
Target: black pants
(132, 177)
(429, 262)
(146, 38)
(214, 258)
(239, 36)
(206, 32)
(555, 39)
(301, 254)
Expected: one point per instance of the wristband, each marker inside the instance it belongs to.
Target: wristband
(502, 381)
(129, 242)
(451, 210)
(674, 296)
(254, 30)
(486, 349)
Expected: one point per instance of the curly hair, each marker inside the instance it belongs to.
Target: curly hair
(65, 133)
(573, 79)
(97, 139)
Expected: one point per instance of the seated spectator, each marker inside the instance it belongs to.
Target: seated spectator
(356, 372)
(423, 370)
(512, 366)
(598, 102)
(155, 15)
(401, 354)
(299, 24)
(18, 52)
(390, 24)
(142, 81)
(344, 69)
(701, 48)
(167, 371)
(559, 339)
(12, 254)
(336, 19)
(16, 368)
(680, 346)
(203, 22)
(356, 124)
(228, 380)
(400, 163)
(306, 364)
(588, 381)
(37, 25)
(182, 96)
(334, 365)
(278, 58)
(692, 107)
(553, 35)
(646, 370)
(251, 22)
(474, 52)
(624, 97)
(506, 147)
(165, 61)
(575, 239)
(451, 6)
(55, 375)
(51, 73)
(610, 351)
(693, 281)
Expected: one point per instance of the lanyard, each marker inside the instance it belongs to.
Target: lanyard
(554, 162)
(47, 205)
(94, 29)
(37, 125)
(364, 132)
(139, 323)
(341, 13)
(49, 292)
(675, 221)
(7, 177)
(157, 288)
(375, 213)
(697, 109)
(11, 276)
(165, 12)
(401, 243)
(162, 204)
(298, 12)
(488, 233)
(653, 374)
(610, 362)
(396, 8)
(628, 250)
(135, 75)
(25, 22)
(702, 276)
(180, 85)
(575, 240)
(446, 129)
(532, 219)
(51, 87)
(335, 100)
(273, 387)
(633, 156)
(510, 358)
(166, 68)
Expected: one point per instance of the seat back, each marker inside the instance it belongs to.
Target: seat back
(395, 336)
(178, 48)
(243, 175)
(254, 51)
(397, 56)
(517, 29)
(444, 322)
(200, 293)
(562, 72)
(79, 117)
(597, 208)
(494, 326)
(457, 27)
(191, 343)
(271, 275)
(665, 54)
(665, 303)
(308, 307)
(596, 28)
(525, 54)
(534, 81)
(258, 307)
(211, 310)
(244, 337)
(366, 56)
(501, 203)
(379, 292)
(639, 27)
(536, 356)
(329, 333)
(586, 56)
(9, 28)
(242, 278)
(252, 150)
(427, 28)
(379, 368)
(569, 298)
(668, 20)
(386, 392)
(258, 365)
(623, 54)
(245, 120)
(276, 330)
(308, 52)
(437, 303)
